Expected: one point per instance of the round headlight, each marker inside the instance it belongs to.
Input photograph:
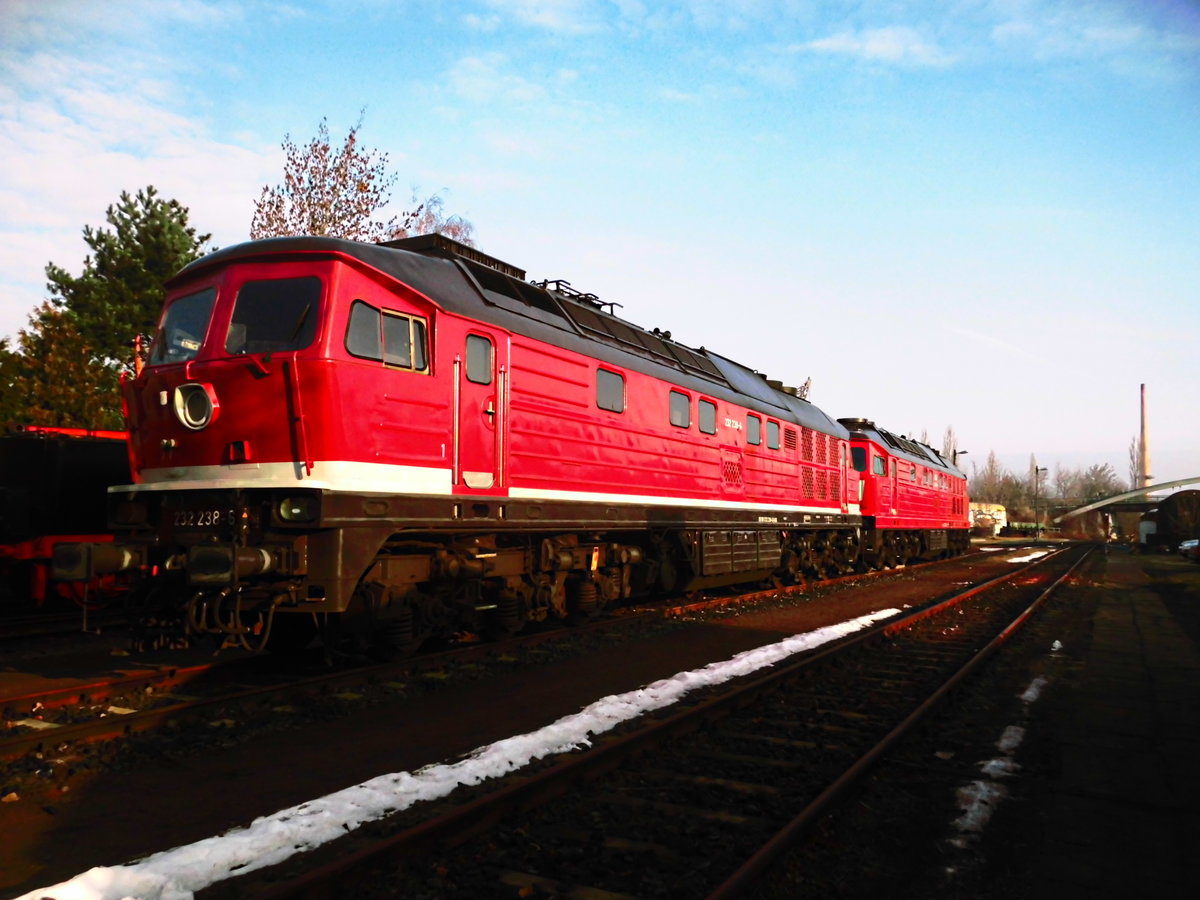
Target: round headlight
(195, 405)
(299, 509)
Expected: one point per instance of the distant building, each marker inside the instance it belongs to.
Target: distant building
(988, 518)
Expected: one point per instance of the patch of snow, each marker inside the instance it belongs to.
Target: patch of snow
(978, 800)
(1029, 558)
(176, 874)
(1000, 768)
(1011, 739)
(1034, 691)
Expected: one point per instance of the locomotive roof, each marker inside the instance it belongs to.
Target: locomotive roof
(901, 446)
(463, 281)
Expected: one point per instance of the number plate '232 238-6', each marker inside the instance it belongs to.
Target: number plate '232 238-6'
(202, 518)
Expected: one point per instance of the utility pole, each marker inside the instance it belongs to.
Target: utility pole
(1038, 472)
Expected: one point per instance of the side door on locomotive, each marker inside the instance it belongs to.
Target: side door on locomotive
(480, 409)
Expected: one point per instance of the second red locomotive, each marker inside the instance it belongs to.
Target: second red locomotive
(413, 438)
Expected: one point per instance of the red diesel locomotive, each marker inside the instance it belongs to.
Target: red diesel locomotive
(913, 501)
(411, 438)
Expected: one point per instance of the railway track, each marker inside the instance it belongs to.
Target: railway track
(117, 708)
(22, 627)
(697, 800)
(132, 703)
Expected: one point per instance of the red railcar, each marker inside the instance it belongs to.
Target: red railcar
(913, 500)
(414, 434)
(52, 484)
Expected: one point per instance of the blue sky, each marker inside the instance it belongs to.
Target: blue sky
(983, 215)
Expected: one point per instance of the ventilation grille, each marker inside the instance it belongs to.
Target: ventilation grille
(731, 473)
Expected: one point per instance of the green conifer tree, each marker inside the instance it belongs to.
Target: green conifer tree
(66, 368)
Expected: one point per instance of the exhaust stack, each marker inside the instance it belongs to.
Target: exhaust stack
(1144, 447)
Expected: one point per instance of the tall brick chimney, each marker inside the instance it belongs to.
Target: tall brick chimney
(1144, 447)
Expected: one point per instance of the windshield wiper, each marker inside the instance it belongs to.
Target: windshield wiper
(299, 324)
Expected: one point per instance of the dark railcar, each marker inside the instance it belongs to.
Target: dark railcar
(52, 491)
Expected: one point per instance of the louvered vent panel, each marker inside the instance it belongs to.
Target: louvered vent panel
(807, 481)
(789, 438)
(822, 486)
(807, 447)
(731, 472)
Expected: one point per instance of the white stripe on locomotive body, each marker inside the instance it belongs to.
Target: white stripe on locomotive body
(332, 475)
(388, 479)
(636, 499)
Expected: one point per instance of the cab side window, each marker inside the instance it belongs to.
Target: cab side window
(395, 339)
(708, 416)
(878, 465)
(772, 435)
(404, 341)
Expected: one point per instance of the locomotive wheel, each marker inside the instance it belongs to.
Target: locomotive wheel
(584, 600)
(509, 616)
(396, 635)
(891, 553)
(668, 575)
(403, 622)
(876, 556)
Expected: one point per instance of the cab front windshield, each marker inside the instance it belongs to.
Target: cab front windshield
(182, 330)
(274, 316)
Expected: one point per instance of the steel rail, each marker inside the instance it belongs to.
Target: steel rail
(15, 705)
(23, 626)
(715, 600)
(477, 816)
(737, 884)
(113, 727)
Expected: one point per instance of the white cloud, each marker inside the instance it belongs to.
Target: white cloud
(897, 44)
(1154, 47)
(571, 17)
(481, 23)
(79, 23)
(78, 128)
(674, 95)
(481, 79)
